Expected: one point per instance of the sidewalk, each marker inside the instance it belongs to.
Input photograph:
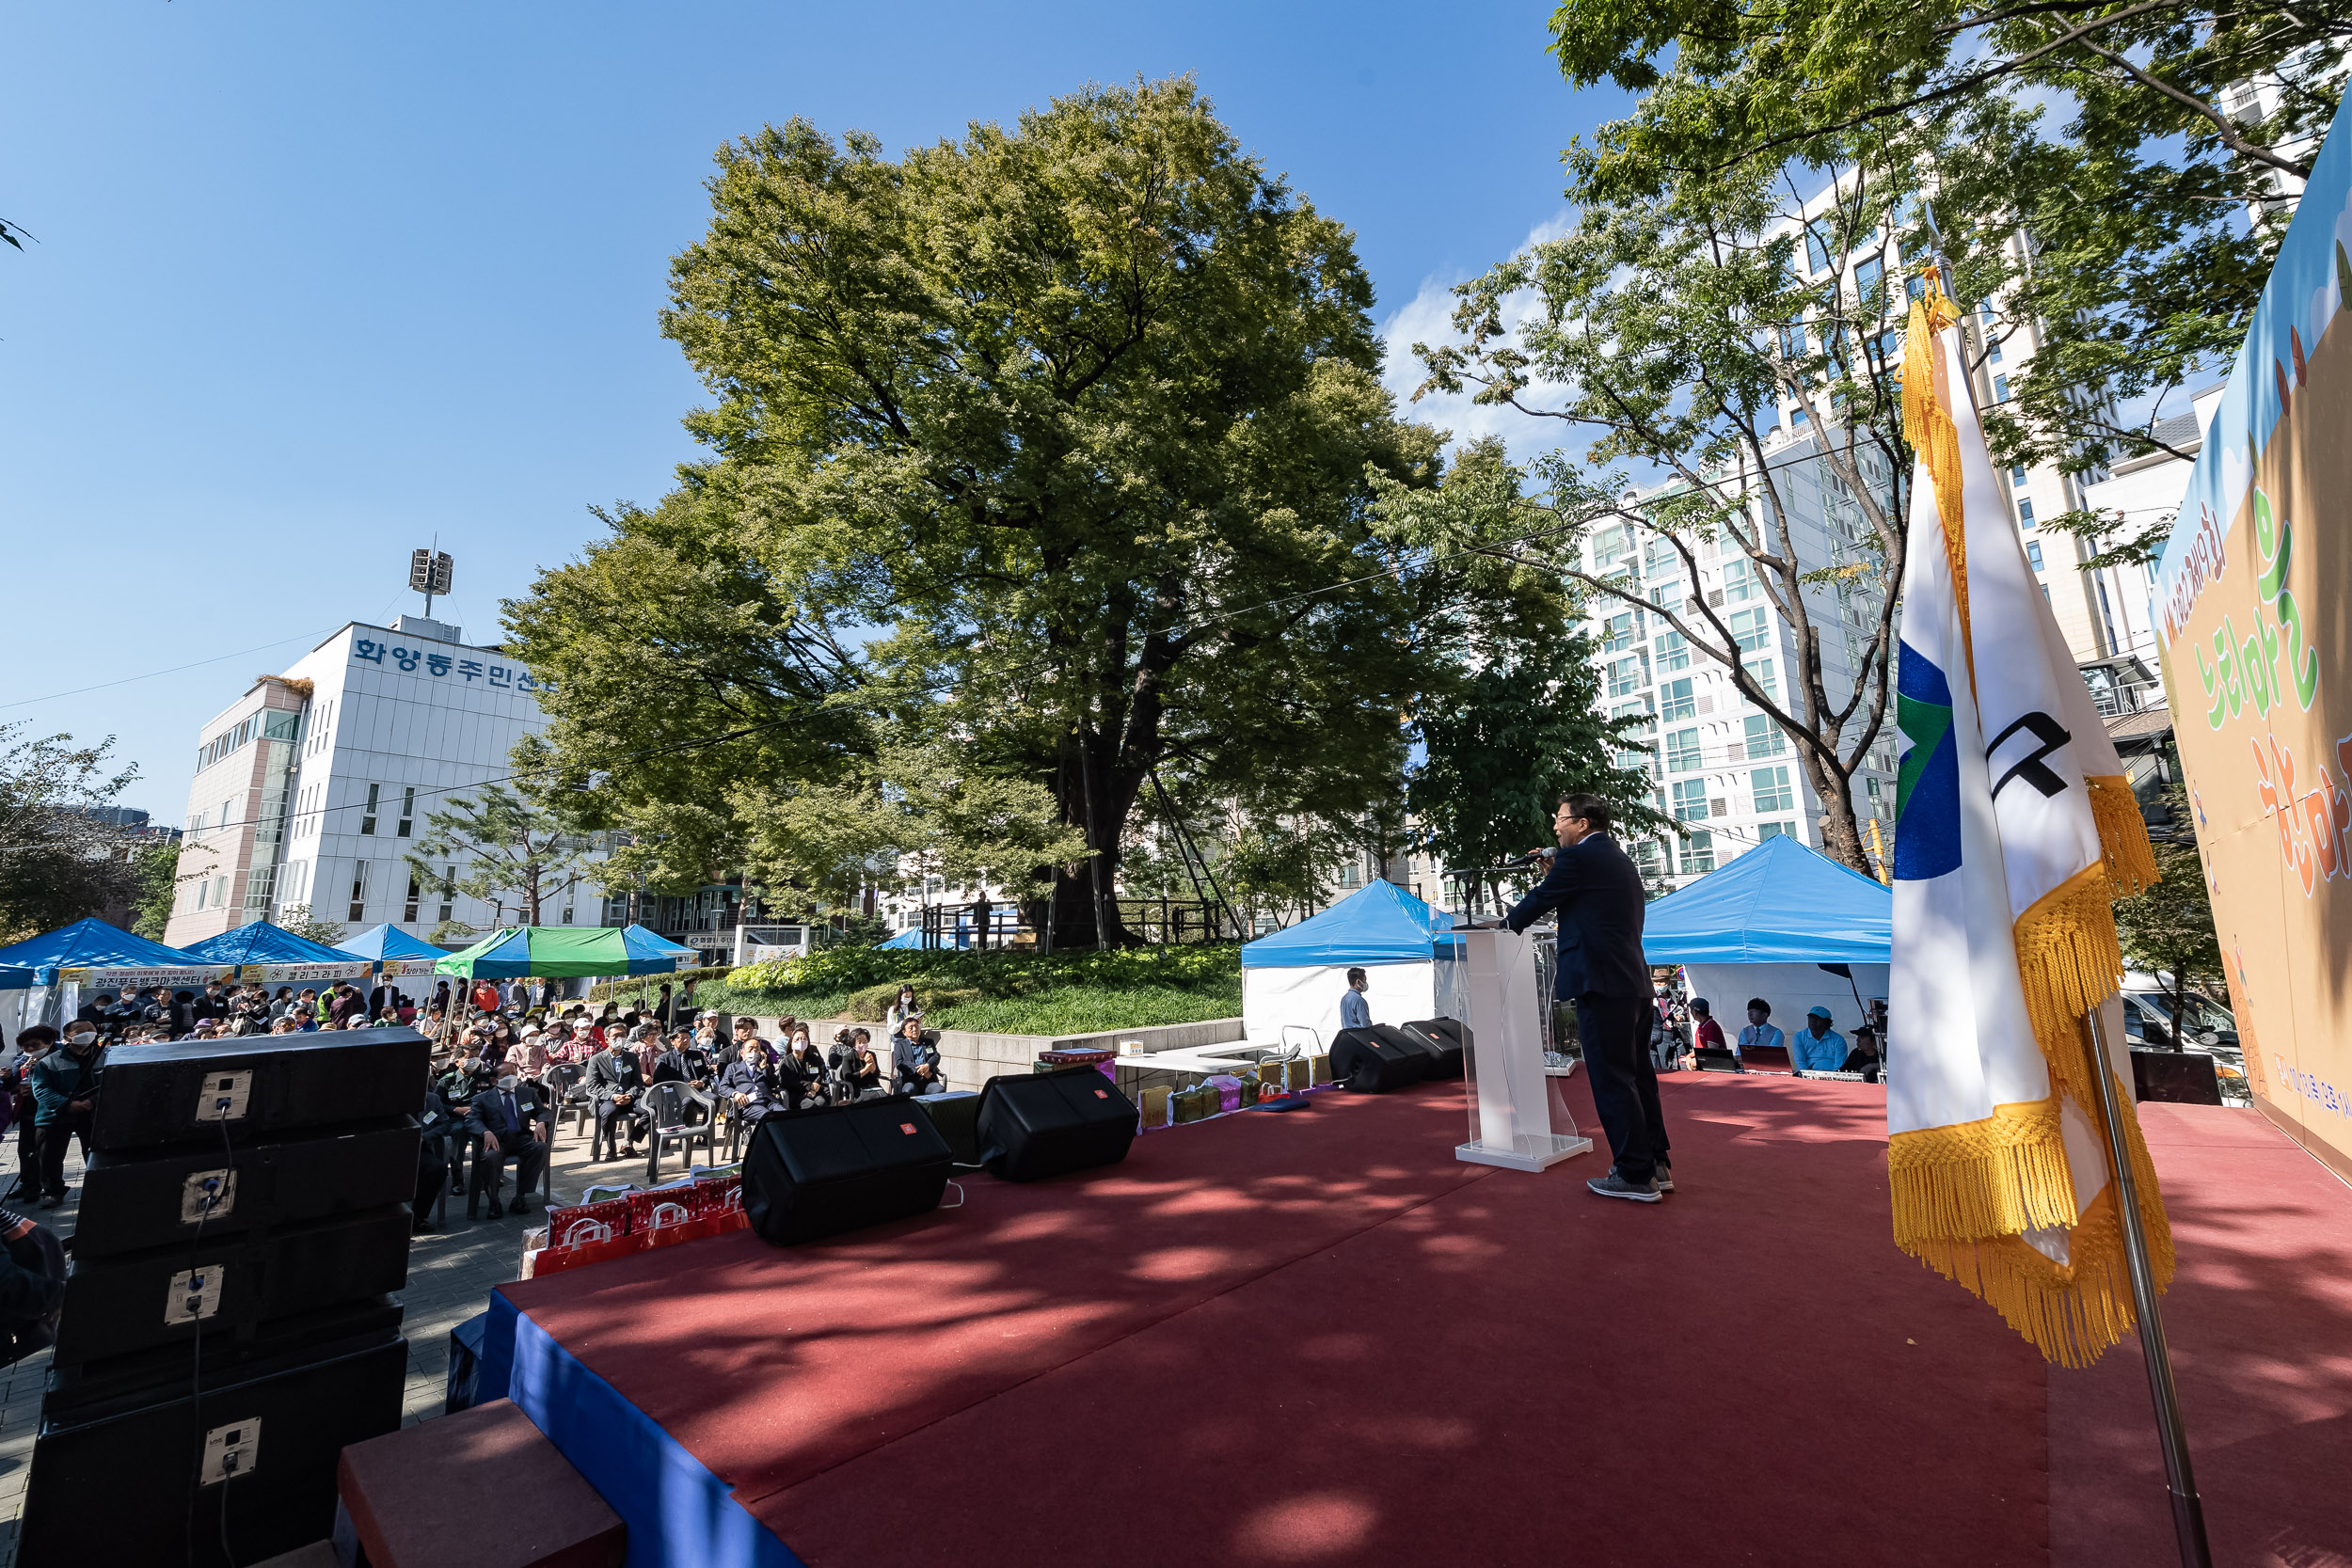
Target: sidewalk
(451, 1275)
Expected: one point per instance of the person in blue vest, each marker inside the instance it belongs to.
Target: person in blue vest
(1818, 1047)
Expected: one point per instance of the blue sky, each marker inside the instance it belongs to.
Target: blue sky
(315, 283)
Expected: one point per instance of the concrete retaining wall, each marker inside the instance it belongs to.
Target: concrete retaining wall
(972, 1059)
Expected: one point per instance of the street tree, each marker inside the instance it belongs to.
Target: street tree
(1080, 411)
(1665, 338)
(61, 859)
(2113, 176)
(2168, 928)
(500, 845)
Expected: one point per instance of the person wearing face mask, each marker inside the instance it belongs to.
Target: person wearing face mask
(65, 1089)
(34, 1043)
(464, 1077)
(616, 1083)
(507, 1117)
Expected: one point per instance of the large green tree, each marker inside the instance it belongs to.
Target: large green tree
(501, 846)
(1075, 416)
(2099, 163)
(60, 858)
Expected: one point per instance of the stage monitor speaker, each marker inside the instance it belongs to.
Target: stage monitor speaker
(131, 1202)
(114, 1489)
(1370, 1062)
(2181, 1077)
(114, 1383)
(129, 1301)
(821, 1172)
(954, 1114)
(1053, 1122)
(1445, 1038)
(154, 1096)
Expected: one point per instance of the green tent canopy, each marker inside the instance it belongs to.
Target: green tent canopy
(561, 952)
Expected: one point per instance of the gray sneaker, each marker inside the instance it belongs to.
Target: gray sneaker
(1666, 1177)
(1614, 1185)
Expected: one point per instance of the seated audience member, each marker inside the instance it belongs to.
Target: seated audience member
(800, 1074)
(463, 1079)
(914, 1059)
(1818, 1047)
(1760, 1031)
(1355, 1012)
(435, 1124)
(1864, 1057)
(213, 1003)
(508, 1115)
(285, 1026)
(1709, 1035)
(670, 1065)
(747, 1033)
(617, 1084)
(749, 1084)
(861, 1075)
(32, 1044)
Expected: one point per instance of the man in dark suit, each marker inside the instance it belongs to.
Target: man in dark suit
(507, 1116)
(1597, 891)
(616, 1083)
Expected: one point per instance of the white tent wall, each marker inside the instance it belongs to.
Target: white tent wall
(1791, 988)
(1310, 994)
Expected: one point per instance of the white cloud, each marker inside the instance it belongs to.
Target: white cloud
(1427, 318)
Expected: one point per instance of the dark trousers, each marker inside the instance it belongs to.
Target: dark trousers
(1614, 1033)
(432, 1176)
(54, 1136)
(612, 1122)
(527, 1157)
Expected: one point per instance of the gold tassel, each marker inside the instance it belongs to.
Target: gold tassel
(1996, 1177)
(2070, 962)
(2131, 860)
(1928, 426)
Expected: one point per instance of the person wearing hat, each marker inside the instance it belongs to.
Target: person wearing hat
(1818, 1047)
(1711, 1031)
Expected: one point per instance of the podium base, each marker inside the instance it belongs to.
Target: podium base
(1528, 1151)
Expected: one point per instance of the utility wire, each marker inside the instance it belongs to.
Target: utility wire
(152, 675)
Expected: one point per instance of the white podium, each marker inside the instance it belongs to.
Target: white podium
(1516, 1118)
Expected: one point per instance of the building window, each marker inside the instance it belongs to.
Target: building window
(1611, 546)
(1866, 278)
(1618, 631)
(2000, 389)
(1750, 629)
(1690, 800)
(408, 810)
(1629, 675)
(449, 892)
(2025, 514)
(1796, 418)
(1699, 853)
(259, 883)
(358, 890)
(2033, 554)
(1770, 785)
(416, 896)
(1991, 351)
(1774, 830)
(367, 816)
(1817, 247)
(1872, 786)
(1740, 583)
(1763, 737)
(1639, 707)
(1682, 752)
(1760, 669)
(1675, 700)
(1672, 651)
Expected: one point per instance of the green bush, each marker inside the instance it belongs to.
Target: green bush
(996, 992)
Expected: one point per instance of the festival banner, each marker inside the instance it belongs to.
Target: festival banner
(2250, 612)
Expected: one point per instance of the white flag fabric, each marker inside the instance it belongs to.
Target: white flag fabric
(2015, 831)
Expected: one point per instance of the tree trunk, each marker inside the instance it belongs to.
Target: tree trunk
(1841, 833)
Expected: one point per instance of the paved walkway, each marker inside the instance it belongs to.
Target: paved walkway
(451, 1275)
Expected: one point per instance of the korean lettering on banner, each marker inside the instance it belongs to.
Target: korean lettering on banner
(503, 677)
(470, 668)
(369, 649)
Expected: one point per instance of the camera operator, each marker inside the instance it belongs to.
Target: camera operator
(915, 1058)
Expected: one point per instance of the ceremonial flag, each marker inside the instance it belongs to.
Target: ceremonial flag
(2015, 830)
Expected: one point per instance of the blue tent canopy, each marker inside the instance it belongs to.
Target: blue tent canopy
(94, 944)
(388, 941)
(910, 937)
(1778, 903)
(260, 943)
(15, 977)
(1378, 923)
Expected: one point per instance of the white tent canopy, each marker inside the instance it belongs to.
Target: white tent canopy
(1296, 976)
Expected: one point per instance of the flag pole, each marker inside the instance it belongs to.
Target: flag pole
(2188, 1513)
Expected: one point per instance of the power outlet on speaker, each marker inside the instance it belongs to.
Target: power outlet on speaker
(220, 1186)
(195, 1294)
(233, 1449)
(223, 1096)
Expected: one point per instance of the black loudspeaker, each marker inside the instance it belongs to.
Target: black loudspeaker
(132, 1202)
(129, 1300)
(955, 1116)
(155, 1095)
(127, 1382)
(1050, 1122)
(1371, 1061)
(826, 1171)
(2181, 1077)
(1446, 1040)
(111, 1489)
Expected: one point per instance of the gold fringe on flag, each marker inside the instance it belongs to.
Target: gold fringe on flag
(2005, 1174)
(2070, 962)
(2123, 834)
(1932, 433)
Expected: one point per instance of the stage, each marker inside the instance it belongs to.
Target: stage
(1319, 1338)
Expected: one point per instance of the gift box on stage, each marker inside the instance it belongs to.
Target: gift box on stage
(1318, 1071)
(579, 1224)
(719, 1194)
(1194, 1103)
(1156, 1106)
(662, 1206)
(1228, 1091)
(1054, 1061)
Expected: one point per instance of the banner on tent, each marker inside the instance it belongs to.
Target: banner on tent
(144, 975)
(301, 974)
(394, 969)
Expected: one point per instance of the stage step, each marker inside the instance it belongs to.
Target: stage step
(484, 1477)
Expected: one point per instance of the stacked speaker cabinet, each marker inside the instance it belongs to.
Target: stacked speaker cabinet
(227, 1325)
(1378, 1059)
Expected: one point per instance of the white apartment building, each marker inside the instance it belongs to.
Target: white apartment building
(311, 788)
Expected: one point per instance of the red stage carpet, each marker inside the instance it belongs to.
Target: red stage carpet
(1318, 1338)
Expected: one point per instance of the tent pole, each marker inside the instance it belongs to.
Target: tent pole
(2189, 1511)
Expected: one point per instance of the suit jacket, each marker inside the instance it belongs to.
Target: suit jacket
(614, 1071)
(488, 1113)
(1597, 891)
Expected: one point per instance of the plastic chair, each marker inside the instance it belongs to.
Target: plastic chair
(669, 1109)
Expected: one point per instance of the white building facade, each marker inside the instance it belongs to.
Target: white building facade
(311, 787)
